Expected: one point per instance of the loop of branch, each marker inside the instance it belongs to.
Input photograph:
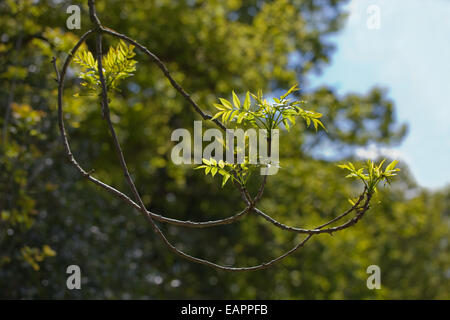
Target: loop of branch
(114, 191)
(124, 197)
(360, 212)
(138, 203)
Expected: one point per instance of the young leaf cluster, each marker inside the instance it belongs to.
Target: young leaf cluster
(371, 174)
(265, 115)
(257, 112)
(118, 64)
(237, 172)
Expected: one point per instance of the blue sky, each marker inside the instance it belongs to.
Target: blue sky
(410, 56)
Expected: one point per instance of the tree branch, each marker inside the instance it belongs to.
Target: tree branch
(359, 214)
(138, 203)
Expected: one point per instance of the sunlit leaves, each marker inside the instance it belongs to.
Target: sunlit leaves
(213, 166)
(118, 64)
(35, 255)
(256, 111)
(237, 172)
(265, 115)
(371, 174)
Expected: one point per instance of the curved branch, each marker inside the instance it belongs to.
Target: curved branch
(236, 269)
(114, 191)
(361, 197)
(180, 89)
(360, 212)
(99, 29)
(126, 198)
(136, 193)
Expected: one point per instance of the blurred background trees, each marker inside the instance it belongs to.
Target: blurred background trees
(52, 218)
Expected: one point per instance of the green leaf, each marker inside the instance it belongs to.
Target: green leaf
(219, 106)
(381, 163)
(344, 166)
(247, 101)
(392, 165)
(223, 172)
(226, 103)
(315, 124)
(217, 115)
(232, 114)
(225, 179)
(292, 89)
(308, 122)
(321, 124)
(351, 165)
(286, 124)
(117, 64)
(236, 101)
(241, 117)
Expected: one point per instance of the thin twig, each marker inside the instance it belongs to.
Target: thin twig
(319, 230)
(56, 68)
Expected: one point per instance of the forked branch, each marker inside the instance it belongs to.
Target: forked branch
(359, 207)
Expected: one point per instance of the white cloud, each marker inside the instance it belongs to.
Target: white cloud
(374, 152)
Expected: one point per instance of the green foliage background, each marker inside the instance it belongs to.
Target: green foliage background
(51, 217)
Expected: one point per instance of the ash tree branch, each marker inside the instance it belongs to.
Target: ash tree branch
(106, 110)
(138, 204)
(359, 214)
